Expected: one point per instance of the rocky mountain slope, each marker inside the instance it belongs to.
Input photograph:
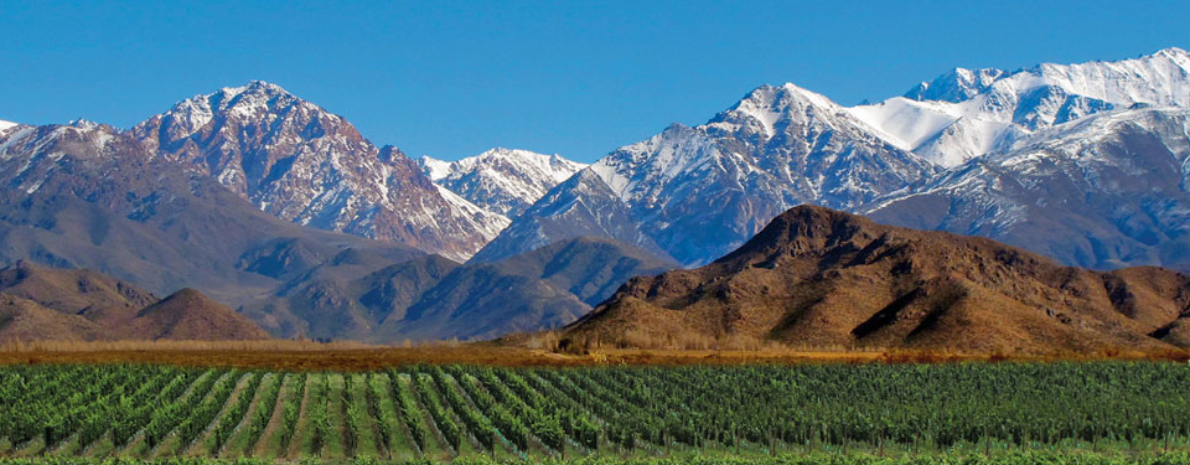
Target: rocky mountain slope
(821, 278)
(503, 181)
(38, 303)
(90, 196)
(434, 298)
(1105, 191)
(294, 160)
(583, 206)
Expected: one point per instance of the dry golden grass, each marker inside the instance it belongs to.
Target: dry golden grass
(284, 345)
(352, 356)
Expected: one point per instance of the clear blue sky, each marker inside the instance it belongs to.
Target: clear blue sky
(451, 79)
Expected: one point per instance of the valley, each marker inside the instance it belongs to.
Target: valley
(594, 233)
(285, 213)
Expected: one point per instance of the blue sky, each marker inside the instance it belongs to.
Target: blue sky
(451, 79)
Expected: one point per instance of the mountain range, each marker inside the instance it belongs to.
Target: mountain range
(281, 209)
(1080, 162)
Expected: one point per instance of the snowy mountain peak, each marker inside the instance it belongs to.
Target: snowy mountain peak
(783, 96)
(767, 108)
(7, 124)
(434, 168)
(505, 181)
(1172, 53)
(553, 165)
(256, 100)
(958, 85)
(1162, 78)
(965, 114)
(252, 87)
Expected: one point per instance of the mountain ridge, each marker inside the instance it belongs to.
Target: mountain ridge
(433, 298)
(965, 113)
(820, 278)
(296, 161)
(38, 303)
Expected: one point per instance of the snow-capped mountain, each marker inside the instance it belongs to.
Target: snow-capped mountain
(5, 125)
(1103, 191)
(301, 163)
(958, 85)
(968, 113)
(87, 195)
(504, 181)
(34, 156)
(700, 192)
(582, 206)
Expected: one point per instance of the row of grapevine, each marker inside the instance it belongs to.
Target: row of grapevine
(316, 408)
(235, 415)
(112, 413)
(532, 406)
(504, 420)
(292, 410)
(576, 421)
(133, 410)
(162, 421)
(138, 412)
(1015, 458)
(264, 409)
(445, 424)
(207, 411)
(385, 419)
(480, 427)
(410, 413)
(34, 411)
(352, 416)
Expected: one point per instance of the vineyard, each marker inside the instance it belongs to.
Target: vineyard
(839, 413)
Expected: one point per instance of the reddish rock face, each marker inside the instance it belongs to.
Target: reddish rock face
(301, 163)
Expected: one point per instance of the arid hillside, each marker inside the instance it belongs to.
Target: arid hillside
(39, 304)
(819, 278)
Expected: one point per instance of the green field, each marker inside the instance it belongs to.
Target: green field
(1100, 412)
